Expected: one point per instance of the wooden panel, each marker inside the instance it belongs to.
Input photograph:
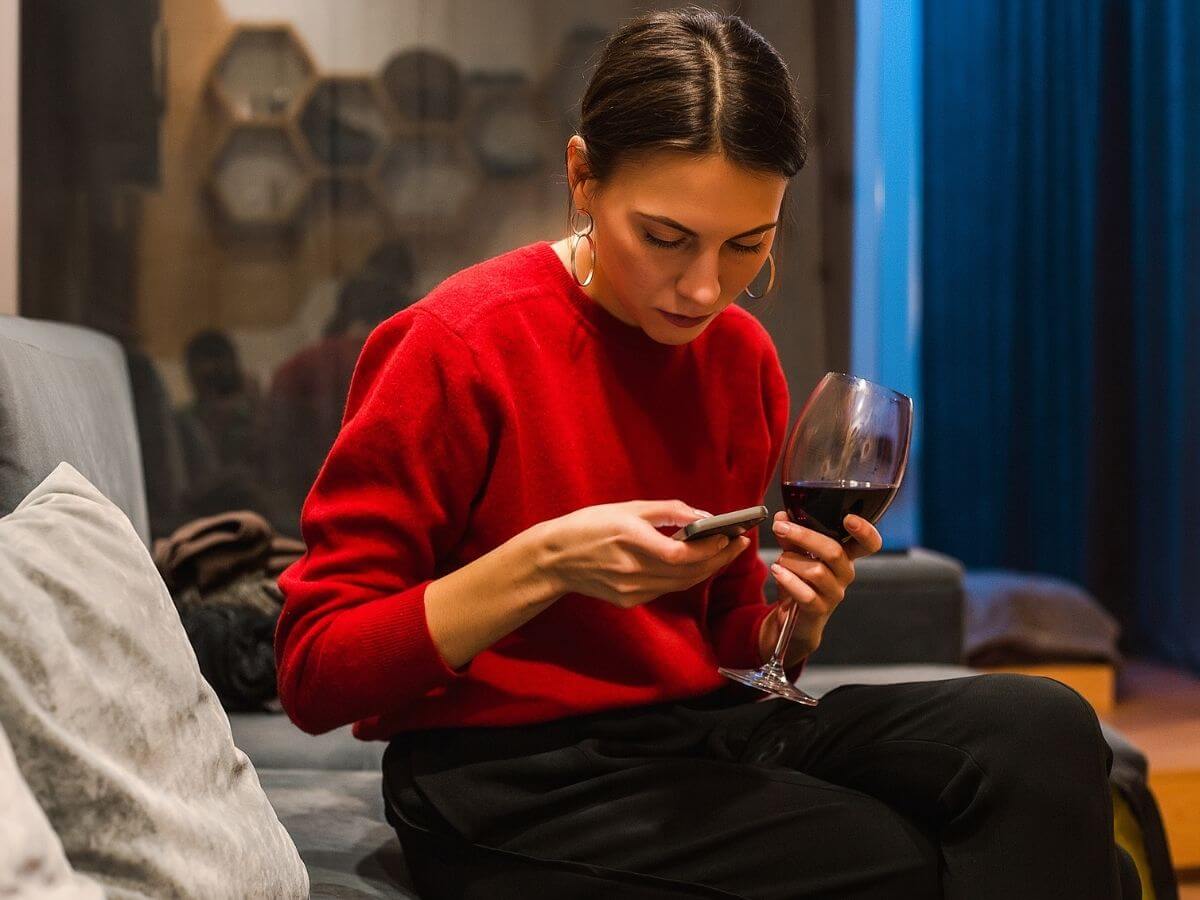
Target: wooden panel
(1178, 795)
(1158, 709)
(1095, 681)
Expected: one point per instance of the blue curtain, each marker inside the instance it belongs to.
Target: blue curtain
(1061, 264)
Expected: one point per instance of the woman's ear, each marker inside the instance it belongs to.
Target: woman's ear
(578, 173)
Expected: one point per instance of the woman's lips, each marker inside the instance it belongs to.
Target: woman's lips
(684, 321)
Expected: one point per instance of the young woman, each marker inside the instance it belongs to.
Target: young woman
(490, 585)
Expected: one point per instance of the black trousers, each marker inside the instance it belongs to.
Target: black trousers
(989, 786)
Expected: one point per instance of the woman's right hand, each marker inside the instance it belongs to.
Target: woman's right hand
(613, 551)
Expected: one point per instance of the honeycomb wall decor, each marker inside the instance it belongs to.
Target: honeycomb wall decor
(505, 127)
(339, 195)
(262, 72)
(425, 180)
(401, 151)
(259, 179)
(424, 86)
(343, 121)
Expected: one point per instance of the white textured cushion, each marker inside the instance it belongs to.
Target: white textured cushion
(32, 864)
(122, 742)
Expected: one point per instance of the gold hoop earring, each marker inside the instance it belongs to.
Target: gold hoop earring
(770, 283)
(583, 235)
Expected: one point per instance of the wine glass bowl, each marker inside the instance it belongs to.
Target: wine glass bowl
(845, 454)
(824, 505)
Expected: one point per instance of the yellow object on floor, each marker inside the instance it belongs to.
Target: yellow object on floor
(1129, 836)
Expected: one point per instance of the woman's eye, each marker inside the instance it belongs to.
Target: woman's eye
(744, 248)
(738, 248)
(659, 242)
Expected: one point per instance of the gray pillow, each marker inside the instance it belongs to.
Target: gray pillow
(122, 742)
(1014, 618)
(32, 864)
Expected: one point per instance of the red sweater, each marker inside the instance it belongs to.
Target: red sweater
(504, 398)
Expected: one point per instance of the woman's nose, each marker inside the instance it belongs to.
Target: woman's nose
(700, 284)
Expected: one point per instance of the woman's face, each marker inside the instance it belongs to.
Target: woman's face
(675, 234)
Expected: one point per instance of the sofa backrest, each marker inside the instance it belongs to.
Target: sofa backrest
(65, 396)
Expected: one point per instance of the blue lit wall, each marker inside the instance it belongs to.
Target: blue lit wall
(885, 332)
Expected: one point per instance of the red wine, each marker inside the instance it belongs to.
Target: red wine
(823, 505)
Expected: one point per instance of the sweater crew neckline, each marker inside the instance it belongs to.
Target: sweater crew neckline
(592, 313)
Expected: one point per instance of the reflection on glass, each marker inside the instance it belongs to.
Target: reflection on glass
(232, 213)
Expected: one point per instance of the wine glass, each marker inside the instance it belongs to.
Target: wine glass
(845, 455)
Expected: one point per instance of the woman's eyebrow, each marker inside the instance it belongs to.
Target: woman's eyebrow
(686, 230)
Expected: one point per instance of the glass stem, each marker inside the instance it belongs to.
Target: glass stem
(785, 638)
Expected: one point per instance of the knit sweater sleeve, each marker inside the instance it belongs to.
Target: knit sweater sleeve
(737, 603)
(391, 498)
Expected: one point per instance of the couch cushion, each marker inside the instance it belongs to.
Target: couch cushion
(120, 739)
(337, 822)
(1019, 617)
(819, 679)
(65, 396)
(32, 862)
(273, 742)
(904, 607)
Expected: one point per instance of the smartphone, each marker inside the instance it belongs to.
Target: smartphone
(730, 524)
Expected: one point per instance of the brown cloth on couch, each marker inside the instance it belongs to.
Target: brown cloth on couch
(284, 552)
(221, 571)
(211, 551)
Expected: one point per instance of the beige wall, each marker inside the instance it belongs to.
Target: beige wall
(9, 35)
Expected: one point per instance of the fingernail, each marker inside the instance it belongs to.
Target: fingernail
(701, 513)
(724, 542)
(776, 568)
(782, 527)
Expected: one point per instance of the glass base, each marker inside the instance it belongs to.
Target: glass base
(771, 681)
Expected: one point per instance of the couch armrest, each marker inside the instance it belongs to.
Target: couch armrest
(904, 607)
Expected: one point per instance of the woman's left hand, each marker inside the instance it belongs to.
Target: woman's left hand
(814, 587)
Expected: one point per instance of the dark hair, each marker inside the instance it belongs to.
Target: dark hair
(392, 262)
(209, 344)
(367, 300)
(696, 81)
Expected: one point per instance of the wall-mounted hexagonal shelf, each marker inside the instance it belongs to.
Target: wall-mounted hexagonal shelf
(424, 86)
(342, 195)
(505, 128)
(258, 178)
(262, 73)
(343, 122)
(425, 180)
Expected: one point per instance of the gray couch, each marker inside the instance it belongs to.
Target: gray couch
(65, 395)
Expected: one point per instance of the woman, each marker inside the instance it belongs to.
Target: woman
(486, 588)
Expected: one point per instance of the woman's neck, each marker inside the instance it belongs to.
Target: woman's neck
(597, 289)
